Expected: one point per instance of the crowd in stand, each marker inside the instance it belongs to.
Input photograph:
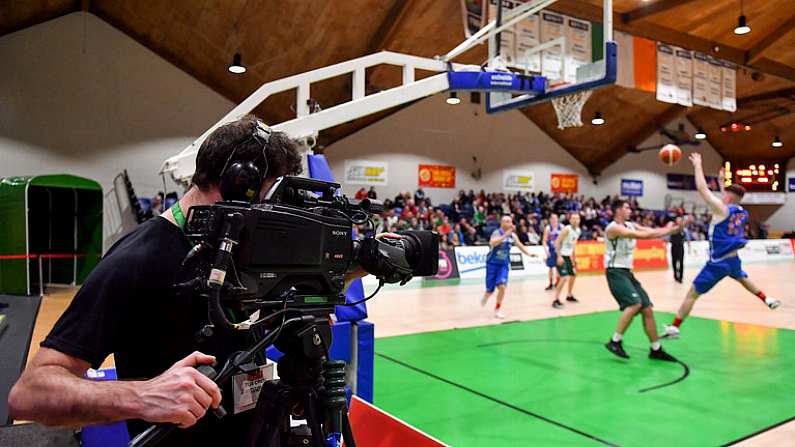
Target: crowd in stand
(470, 217)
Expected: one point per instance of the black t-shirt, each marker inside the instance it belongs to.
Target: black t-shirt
(127, 306)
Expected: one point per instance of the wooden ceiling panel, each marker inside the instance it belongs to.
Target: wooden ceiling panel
(716, 19)
(17, 15)
(279, 39)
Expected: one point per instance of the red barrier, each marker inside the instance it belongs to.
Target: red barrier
(44, 256)
(373, 427)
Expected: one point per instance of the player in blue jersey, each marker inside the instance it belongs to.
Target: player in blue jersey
(498, 262)
(726, 238)
(551, 233)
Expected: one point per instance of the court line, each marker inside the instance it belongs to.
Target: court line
(497, 401)
(544, 340)
(736, 441)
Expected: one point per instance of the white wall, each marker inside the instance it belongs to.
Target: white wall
(78, 96)
(783, 217)
(434, 132)
(647, 166)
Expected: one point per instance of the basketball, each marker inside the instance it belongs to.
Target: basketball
(670, 154)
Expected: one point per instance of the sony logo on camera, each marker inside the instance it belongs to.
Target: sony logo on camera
(339, 233)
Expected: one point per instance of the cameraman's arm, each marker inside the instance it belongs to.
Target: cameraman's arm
(52, 391)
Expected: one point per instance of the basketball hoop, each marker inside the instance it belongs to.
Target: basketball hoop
(568, 108)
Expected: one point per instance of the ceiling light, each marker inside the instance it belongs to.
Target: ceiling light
(701, 135)
(597, 119)
(237, 66)
(777, 143)
(742, 25)
(453, 99)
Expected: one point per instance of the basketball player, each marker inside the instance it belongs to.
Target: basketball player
(726, 237)
(551, 232)
(620, 236)
(498, 262)
(564, 246)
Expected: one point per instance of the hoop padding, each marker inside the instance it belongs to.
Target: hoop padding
(568, 108)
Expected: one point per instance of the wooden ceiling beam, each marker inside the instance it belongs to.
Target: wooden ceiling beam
(775, 94)
(640, 135)
(650, 10)
(385, 33)
(758, 50)
(652, 31)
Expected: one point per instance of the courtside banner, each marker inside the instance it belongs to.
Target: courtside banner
(757, 251)
(590, 255)
(650, 255)
(436, 176)
(767, 250)
(363, 172)
(564, 183)
(471, 261)
(447, 266)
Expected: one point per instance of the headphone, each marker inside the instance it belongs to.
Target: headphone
(241, 180)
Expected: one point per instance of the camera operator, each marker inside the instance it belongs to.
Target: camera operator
(128, 307)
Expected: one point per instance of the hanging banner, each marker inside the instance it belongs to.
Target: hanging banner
(666, 74)
(363, 172)
(631, 187)
(518, 181)
(507, 38)
(552, 27)
(684, 76)
(436, 176)
(700, 79)
(472, 11)
(578, 46)
(729, 87)
(715, 84)
(791, 182)
(564, 183)
(528, 36)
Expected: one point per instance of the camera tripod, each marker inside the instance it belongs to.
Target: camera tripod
(310, 388)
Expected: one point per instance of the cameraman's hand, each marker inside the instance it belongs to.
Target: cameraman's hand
(181, 395)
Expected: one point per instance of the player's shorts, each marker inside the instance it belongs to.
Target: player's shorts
(714, 271)
(496, 274)
(567, 269)
(626, 290)
(552, 260)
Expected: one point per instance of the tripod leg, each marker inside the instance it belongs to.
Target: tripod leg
(271, 414)
(347, 433)
(311, 405)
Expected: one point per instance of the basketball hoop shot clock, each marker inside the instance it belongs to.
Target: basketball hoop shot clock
(755, 177)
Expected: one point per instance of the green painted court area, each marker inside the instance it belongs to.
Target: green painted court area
(551, 382)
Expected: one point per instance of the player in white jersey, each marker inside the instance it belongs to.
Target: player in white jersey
(566, 263)
(620, 239)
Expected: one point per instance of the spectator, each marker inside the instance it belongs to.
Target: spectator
(371, 193)
(361, 194)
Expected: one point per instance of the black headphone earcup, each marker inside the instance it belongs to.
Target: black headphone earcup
(241, 181)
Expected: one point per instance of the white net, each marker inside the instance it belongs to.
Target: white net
(568, 108)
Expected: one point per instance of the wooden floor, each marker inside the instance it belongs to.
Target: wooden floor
(414, 309)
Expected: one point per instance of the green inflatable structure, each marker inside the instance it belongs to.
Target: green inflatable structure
(52, 221)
